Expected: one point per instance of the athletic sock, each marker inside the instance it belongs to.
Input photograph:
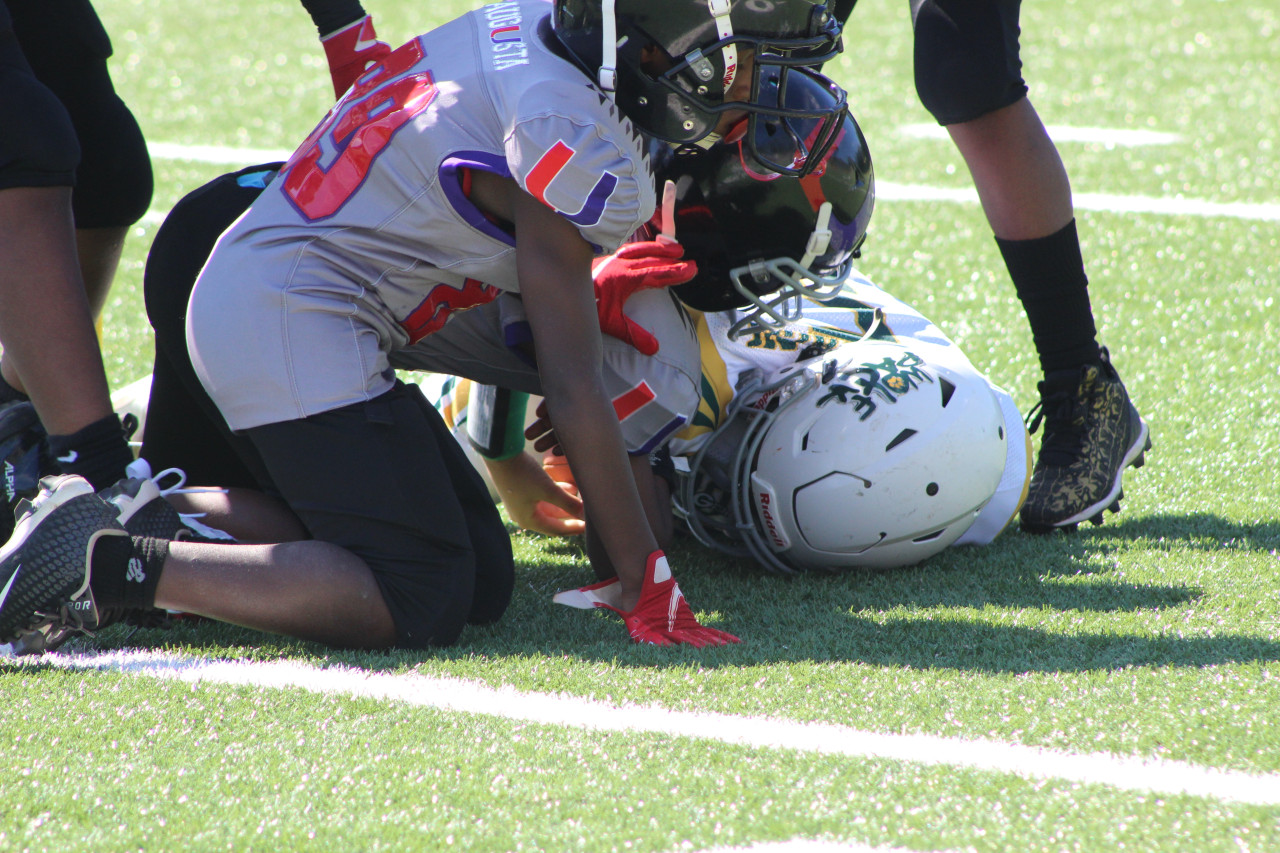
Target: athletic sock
(1048, 275)
(124, 571)
(99, 452)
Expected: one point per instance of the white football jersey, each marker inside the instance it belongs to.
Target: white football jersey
(369, 225)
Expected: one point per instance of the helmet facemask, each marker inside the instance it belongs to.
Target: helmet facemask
(766, 242)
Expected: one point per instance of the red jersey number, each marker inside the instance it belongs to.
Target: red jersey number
(358, 128)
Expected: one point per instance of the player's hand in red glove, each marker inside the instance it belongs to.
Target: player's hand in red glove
(350, 51)
(636, 266)
(661, 616)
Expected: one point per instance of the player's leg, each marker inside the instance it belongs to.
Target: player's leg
(392, 561)
(50, 349)
(384, 491)
(494, 563)
(68, 49)
(968, 74)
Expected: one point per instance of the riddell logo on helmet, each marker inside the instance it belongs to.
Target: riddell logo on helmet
(730, 72)
(764, 502)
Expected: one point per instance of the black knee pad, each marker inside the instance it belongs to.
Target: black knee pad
(38, 146)
(966, 57)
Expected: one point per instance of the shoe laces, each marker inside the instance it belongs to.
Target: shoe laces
(141, 469)
(53, 627)
(1063, 411)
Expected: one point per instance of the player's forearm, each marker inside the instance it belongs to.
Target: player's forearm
(588, 431)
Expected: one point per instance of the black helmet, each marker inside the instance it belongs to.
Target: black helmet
(699, 41)
(755, 234)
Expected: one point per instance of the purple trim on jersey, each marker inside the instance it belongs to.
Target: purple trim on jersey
(593, 207)
(515, 334)
(662, 435)
(462, 205)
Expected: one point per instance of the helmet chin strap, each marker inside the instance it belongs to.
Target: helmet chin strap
(820, 239)
(608, 77)
(720, 13)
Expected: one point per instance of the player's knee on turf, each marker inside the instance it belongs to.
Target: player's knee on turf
(966, 58)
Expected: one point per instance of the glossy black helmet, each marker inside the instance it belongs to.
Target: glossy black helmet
(767, 240)
(670, 63)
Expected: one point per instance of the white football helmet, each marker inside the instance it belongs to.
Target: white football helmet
(866, 457)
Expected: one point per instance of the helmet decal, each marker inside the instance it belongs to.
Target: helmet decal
(888, 379)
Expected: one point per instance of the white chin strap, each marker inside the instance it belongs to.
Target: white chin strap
(820, 239)
(609, 54)
(720, 10)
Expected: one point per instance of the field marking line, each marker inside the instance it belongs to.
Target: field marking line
(885, 190)
(1108, 136)
(217, 154)
(1100, 202)
(1114, 771)
(806, 845)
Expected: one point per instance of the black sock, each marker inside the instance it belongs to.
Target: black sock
(9, 394)
(99, 452)
(125, 570)
(1048, 275)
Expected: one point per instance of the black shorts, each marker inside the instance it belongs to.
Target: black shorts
(387, 481)
(967, 60)
(384, 479)
(67, 48)
(38, 146)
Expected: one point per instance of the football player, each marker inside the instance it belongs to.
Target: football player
(793, 346)
(968, 75)
(399, 211)
(62, 124)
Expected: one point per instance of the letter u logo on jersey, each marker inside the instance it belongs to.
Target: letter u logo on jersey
(549, 166)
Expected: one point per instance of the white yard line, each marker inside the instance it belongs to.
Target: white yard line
(1103, 202)
(885, 190)
(1124, 773)
(238, 157)
(1110, 136)
(805, 845)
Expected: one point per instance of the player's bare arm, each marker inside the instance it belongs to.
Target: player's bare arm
(555, 281)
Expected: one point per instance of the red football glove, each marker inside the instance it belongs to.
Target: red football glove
(350, 51)
(661, 616)
(636, 266)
